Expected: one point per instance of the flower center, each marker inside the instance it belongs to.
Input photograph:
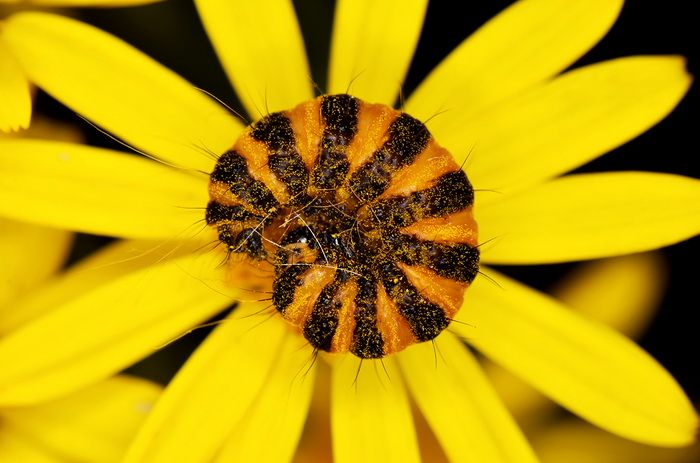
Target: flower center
(366, 220)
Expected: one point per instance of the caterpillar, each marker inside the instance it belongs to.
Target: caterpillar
(365, 219)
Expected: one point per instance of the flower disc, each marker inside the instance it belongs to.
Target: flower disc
(366, 219)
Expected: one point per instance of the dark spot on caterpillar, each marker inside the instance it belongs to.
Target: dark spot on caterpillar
(407, 137)
(232, 170)
(339, 113)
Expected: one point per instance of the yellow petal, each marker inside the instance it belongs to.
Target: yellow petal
(578, 442)
(16, 107)
(583, 365)
(558, 126)
(111, 262)
(106, 328)
(622, 292)
(590, 215)
(29, 255)
(525, 44)
(121, 89)
(279, 412)
(16, 448)
(372, 46)
(370, 415)
(98, 191)
(94, 424)
(212, 392)
(464, 412)
(261, 49)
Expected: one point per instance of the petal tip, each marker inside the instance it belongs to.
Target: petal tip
(680, 65)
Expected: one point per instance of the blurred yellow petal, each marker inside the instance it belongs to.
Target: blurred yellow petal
(98, 191)
(430, 448)
(463, 410)
(528, 42)
(271, 428)
(589, 216)
(108, 327)
(579, 442)
(583, 365)
(527, 405)
(622, 292)
(16, 448)
(567, 122)
(262, 51)
(370, 414)
(78, 3)
(372, 46)
(212, 391)
(16, 107)
(94, 424)
(315, 443)
(29, 255)
(121, 89)
(45, 128)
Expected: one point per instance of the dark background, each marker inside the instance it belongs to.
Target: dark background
(171, 33)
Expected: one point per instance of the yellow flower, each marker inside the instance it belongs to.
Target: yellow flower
(16, 107)
(244, 394)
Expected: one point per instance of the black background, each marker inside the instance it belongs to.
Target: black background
(171, 33)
